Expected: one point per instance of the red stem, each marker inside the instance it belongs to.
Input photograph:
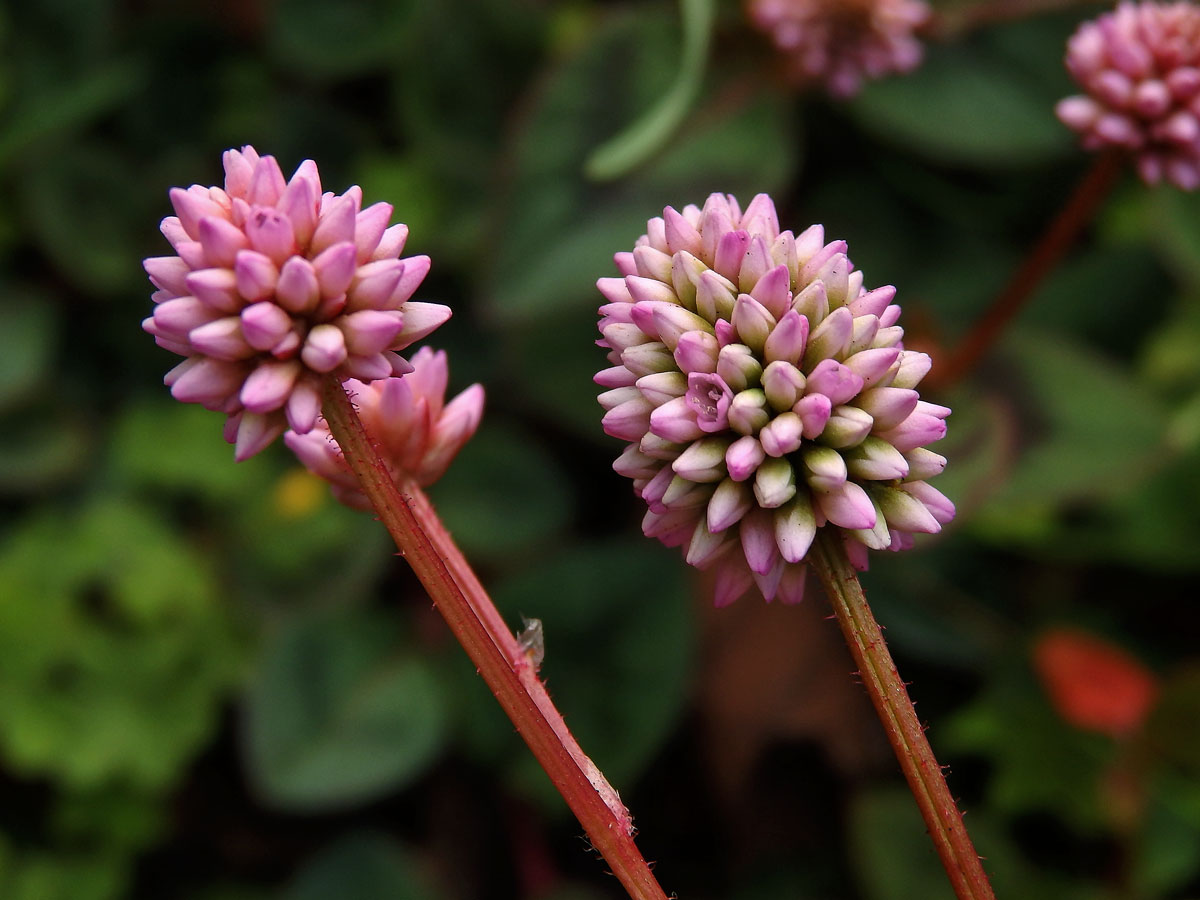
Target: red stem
(904, 730)
(422, 540)
(1050, 248)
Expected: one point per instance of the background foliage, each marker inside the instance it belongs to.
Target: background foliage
(216, 684)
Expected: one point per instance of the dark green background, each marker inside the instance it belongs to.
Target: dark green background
(216, 684)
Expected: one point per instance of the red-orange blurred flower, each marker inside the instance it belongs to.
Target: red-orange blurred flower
(1092, 683)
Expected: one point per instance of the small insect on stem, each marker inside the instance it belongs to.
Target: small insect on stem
(532, 641)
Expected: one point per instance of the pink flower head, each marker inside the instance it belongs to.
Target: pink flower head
(763, 393)
(1140, 68)
(841, 43)
(417, 433)
(275, 285)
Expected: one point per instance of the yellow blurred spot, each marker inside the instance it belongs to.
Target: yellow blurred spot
(299, 493)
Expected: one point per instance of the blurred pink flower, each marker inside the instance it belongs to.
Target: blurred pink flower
(1140, 68)
(764, 393)
(841, 43)
(275, 285)
(416, 432)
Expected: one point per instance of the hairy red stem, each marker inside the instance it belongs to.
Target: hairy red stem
(456, 592)
(904, 730)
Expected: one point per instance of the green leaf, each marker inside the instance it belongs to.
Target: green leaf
(79, 182)
(894, 859)
(555, 359)
(1165, 850)
(290, 539)
(115, 650)
(339, 713)
(65, 108)
(1174, 725)
(558, 229)
(1040, 764)
(336, 40)
(1079, 429)
(177, 447)
(968, 106)
(44, 448)
(504, 495)
(1155, 526)
(654, 128)
(113, 817)
(361, 867)
(617, 620)
(63, 876)
(1172, 217)
(28, 326)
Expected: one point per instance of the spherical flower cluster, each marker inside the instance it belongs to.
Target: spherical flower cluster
(275, 285)
(840, 43)
(416, 432)
(764, 394)
(1140, 67)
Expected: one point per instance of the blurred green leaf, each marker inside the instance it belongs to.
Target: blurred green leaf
(1039, 762)
(82, 182)
(653, 129)
(1169, 357)
(1165, 857)
(231, 892)
(559, 231)
(1173, 219)
(290, 539)
(340, 713)
(555, 359)
(1174, 726)
(38, 875)
(361, 867)
(504, 495)
(43, 449)
(618, 628)
(177, 447)
(1154, 526)
(112, 817)
(336, 40)
(1088, 296)
(968, 106)
(936, 606)
(413, 190)
(893, 857)
(1081, 429)
(60, 109)
(115, 650)
(28, 329)
(895, 860)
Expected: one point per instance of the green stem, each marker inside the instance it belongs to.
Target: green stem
(422, 540)
(904, 730)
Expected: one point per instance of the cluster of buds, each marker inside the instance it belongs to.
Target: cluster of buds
(764, 393)
(276, 285)
(1140, 67)
(415, 431)
(841, 43)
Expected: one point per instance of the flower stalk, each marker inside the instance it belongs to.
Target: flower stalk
(509, 672)
(904, 730)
